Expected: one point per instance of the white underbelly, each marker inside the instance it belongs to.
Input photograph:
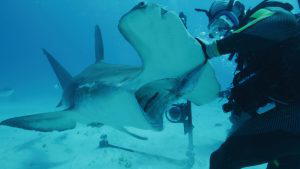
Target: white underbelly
(118, 108)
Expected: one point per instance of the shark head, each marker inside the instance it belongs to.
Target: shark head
(160, 38)
(149, 27)
(168, 52)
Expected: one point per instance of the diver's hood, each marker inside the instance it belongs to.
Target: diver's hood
(233, 10)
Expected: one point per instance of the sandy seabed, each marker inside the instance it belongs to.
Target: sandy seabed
(78, 148)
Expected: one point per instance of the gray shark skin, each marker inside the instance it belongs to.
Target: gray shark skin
(122, 96)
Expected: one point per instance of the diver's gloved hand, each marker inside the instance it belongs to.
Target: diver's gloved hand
(210, 49)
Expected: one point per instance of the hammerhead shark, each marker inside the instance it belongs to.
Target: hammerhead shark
(174, 67)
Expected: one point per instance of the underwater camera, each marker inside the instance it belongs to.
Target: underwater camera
(181, 113)
(178, 113)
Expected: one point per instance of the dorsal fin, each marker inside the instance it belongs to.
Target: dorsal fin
(64, 77)
(99, 50)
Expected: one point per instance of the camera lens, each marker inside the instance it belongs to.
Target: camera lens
(175, 113)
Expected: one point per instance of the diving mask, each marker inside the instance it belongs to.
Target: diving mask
(220, 27)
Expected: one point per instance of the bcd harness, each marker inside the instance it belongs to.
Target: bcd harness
(255, 85)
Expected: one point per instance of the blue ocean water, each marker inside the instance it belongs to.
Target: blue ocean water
(66, 29)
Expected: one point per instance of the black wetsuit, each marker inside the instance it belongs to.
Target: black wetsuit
(269, 43)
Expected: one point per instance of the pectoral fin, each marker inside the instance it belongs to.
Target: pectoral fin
(207, 89)
(155, 98)
(122, 129)
(44, 122)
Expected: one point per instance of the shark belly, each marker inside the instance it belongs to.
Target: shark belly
(115, 107)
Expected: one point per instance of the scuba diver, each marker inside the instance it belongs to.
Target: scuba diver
(265, 43)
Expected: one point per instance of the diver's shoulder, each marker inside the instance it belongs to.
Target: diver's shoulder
(279, 10)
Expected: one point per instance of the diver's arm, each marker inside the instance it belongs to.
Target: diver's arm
(268, 28)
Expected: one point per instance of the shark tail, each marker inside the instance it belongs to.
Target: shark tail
(44, 122)
(99, 49)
